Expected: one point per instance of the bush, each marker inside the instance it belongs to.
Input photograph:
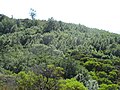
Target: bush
(71, 84)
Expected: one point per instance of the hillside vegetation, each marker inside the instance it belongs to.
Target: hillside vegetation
(53, 55)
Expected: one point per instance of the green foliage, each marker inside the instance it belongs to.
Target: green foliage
(7, 81)
(26, 79)
(83, 76)
(102, 74)
(47, 79)
(108, 87)
(40, 53)
(71, 84)
(93, 65)
(7, 26)
(113, 75)
(70, 66)
(104, 81)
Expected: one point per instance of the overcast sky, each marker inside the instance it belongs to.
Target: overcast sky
(102, 14)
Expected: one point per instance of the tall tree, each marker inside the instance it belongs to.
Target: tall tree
(32, 13)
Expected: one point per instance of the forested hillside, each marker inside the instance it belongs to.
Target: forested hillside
(54, 55)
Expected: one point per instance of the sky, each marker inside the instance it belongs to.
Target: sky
(101, 14)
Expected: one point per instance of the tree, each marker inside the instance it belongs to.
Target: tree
(32, 13)
(51, 25)
(70, 66)
(26, 80)
(108, 87)
(71, 84)
(48, 77)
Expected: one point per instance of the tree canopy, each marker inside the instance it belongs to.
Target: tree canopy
(54, 55)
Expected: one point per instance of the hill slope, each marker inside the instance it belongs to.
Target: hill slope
(55, 50)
